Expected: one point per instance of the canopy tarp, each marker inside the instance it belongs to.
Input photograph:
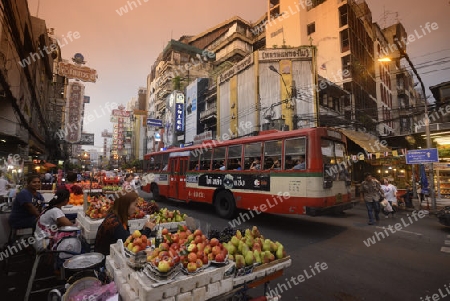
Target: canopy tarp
(367, 141)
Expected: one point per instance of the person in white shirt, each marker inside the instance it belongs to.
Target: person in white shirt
(390, 194)
(4, 186)
(51, 219)
(129, 184)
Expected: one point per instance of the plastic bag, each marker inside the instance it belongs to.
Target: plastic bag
(384, 203)
(388, 207)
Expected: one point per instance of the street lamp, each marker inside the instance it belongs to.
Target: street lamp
(403, 54)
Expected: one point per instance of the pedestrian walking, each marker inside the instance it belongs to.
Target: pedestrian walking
(371, 194)
(390, 194)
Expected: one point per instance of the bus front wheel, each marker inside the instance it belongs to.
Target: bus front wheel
(225, 205)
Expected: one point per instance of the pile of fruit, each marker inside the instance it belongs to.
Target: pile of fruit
(86, 185)
(98, 207)
(166, 216)
(137, 242)
(111, 187)
(192, 249)
(251, 248)
(76, 195)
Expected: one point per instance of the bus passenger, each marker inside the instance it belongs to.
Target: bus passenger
(300, 164)
(239, 166)
(276, 165)
(256, 164)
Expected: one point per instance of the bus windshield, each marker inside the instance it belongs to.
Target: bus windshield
(334, 161)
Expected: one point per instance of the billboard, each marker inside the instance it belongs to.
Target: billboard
(74, 110)
(87, 139)
(191, 112)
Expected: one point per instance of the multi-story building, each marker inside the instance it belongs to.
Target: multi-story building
(175, 67)
(342, 32)
(27, 56)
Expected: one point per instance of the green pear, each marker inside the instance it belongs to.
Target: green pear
(266, 246)
(245, 249)
(249, 258)
(231, 257)
(257, 255)
(238, 234)
(240, 261)
(249, 242)
(235, 241)
(255, 232)
(273, 247)
(231, 249)
(280, 252)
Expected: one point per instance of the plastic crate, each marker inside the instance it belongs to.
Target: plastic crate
(136, 224)
(88, 223)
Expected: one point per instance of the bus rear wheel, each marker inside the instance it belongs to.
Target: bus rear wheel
(224, 204)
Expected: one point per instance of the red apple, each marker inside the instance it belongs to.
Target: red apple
(205, 259)
(201, 246)
(216, 250)
(137, 241)
(220, 258)
(198, 232)
(198, 239)
(175, 238)
(192, 267)
(192, 248)
(164, 246)
(165, 231)
(211, 256)
(199, 263)
(214, 242)
(207, 249)
(192, 257)
(163, 266)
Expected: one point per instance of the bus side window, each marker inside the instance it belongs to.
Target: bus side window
(253, 155)
(193, 162)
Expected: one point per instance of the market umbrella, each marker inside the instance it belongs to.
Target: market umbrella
(423, 179)
(49, 165)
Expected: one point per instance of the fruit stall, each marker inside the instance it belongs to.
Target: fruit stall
(188, 265)
(97, 207)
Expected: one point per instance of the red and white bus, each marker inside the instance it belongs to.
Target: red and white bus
(226, 174)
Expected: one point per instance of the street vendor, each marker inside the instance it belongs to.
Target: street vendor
(26, 207)
(115, 224)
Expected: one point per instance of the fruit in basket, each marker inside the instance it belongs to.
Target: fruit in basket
(240, 261)
(192, 267)
(163, 266)
(136, 234)
(220, 257)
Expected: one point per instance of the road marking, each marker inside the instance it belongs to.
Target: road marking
(447, 242)
(445, 249)
(415, 233)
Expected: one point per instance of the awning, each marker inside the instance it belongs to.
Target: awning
(368, 142)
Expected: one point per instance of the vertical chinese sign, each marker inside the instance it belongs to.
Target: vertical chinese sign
(74, 111)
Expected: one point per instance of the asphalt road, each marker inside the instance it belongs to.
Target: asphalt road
(406, 265)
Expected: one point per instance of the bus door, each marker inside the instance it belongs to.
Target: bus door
(173, 178)
(183, 166)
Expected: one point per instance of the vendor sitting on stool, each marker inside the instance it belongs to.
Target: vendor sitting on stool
(26, 207)
(115, 224)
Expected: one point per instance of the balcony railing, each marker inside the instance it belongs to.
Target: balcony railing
(208, 112)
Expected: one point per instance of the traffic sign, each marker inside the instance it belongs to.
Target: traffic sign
(420, 156)
(154, 122)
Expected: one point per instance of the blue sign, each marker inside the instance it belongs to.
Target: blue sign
(420, 156)
(154, 122)
(179, 117)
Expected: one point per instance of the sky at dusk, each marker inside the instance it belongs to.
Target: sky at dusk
(122, 48)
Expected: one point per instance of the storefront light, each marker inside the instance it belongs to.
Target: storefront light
(402, 170)
(386, 171)
(379, 170)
